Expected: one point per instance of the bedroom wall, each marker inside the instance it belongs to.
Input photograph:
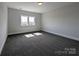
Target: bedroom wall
(3, 25)
(63, 21)
(14, 21)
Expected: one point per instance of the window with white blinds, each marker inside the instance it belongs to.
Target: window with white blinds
(27, 20)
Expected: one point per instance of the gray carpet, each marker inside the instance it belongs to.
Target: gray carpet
(40, 45)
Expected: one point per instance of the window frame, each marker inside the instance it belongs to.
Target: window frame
(25, 22)
(28, 22)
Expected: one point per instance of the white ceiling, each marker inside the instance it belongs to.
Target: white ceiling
(33, 7)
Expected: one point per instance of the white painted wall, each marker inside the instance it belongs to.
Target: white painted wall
(14, 21)
(3, 25)
(63, 21)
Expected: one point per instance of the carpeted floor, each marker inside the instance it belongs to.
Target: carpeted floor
(43, 44)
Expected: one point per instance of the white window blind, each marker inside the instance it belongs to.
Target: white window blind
(24, 20)
(27, 20)
(31, 21)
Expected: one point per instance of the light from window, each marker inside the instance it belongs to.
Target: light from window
(37, 33)
(29, 35)
(31, 20)
(24, 20)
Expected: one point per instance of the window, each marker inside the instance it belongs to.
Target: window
(27, 21)
(31, 21)
(24, 20)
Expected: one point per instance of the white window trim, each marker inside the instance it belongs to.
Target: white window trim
(28, 22)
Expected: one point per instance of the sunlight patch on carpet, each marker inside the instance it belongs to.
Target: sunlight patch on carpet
(29, 35)
(37, 33)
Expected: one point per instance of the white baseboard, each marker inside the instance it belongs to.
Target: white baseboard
(21, 32)
(70, 37)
